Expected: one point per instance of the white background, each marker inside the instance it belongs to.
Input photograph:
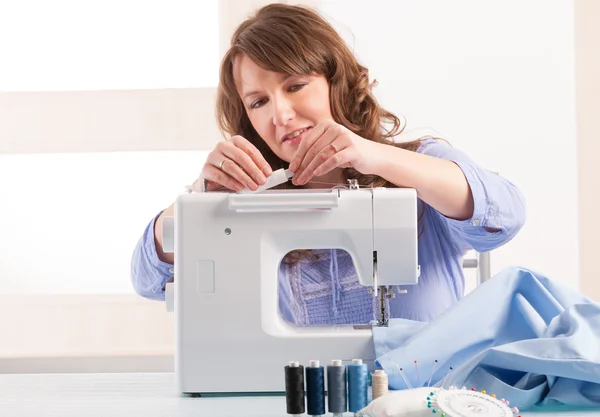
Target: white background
(495, 78)
(70, 45)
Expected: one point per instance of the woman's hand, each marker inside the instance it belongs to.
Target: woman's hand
(330, 145)
(235, 164)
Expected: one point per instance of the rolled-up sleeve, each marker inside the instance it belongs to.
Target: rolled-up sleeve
(148, 273)
(498, 204)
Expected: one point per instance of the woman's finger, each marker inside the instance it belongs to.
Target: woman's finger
(239, 165)
(217, 179)
(338, 159)
(321, 150)
(232, 168)
(314, 134)
(254, 155)
(327, 155)
(226, 157)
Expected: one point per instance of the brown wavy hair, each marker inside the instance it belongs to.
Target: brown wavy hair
(296, 40)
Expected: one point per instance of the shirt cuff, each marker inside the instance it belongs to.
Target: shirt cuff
(164, 268)
(483, 213)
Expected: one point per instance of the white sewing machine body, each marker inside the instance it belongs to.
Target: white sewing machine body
(229, 334)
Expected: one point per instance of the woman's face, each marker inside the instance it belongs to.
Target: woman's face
(281, 108)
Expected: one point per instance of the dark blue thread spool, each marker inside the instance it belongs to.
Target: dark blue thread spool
(315, 389)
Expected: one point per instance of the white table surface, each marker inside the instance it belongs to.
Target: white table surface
(132, 395)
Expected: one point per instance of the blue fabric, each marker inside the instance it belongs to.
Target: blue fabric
(520, 336)
(326, 290)
(148, 273)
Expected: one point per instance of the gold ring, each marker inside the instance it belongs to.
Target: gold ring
(334, 148)
(221, 164)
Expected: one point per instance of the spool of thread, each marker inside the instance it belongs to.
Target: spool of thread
(358, 376)
(294, 388)
(380, 383)
(315, 389)
(336, 388)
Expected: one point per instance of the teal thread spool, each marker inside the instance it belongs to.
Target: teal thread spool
(358, 379)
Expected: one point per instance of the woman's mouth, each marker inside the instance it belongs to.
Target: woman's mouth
(295, 138)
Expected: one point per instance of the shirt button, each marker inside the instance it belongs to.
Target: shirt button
(171, 270)
(475, 222)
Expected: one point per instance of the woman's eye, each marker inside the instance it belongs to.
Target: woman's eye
(261, 102)
(257, 103)
(295, 87)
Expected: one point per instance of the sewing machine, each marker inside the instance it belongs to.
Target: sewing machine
(229, 334)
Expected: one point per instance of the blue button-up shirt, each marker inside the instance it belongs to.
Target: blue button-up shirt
(326, 290)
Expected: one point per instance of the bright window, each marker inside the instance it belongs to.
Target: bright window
(71, 221)
(70, 45)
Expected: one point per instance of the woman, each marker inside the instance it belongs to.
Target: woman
(291, 94)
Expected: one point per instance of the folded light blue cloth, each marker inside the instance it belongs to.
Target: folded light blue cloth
(520, 336)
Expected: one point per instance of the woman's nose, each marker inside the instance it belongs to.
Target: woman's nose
(283, 111)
